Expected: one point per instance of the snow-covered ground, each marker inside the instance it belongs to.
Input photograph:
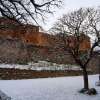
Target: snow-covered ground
(63, 88)
(41, 65)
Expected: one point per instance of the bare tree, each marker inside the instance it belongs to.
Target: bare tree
(94, 22)
(25, 10)
(77, 27)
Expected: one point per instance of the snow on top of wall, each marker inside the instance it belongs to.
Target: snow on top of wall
(41, 65)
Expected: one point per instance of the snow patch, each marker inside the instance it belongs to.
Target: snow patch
(3, 96)
(41, 65)
(63, 88)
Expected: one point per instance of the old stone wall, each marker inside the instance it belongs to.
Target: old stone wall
(15, 51)
(12, 51)
(94, 64)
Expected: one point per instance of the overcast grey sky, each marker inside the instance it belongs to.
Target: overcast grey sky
(69, 5)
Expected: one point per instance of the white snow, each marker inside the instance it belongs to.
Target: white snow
(63, 88)
(97, 48)
(3, 96)
(41, 65)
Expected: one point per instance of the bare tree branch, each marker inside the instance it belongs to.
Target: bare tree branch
(23, 10)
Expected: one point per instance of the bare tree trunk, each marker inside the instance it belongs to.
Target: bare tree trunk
(85, 78)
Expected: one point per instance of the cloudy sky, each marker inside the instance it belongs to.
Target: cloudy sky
(69, 5)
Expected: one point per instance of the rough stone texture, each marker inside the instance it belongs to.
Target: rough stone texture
(52, 55)
(30, 34)
(12, 51)
(94, 64)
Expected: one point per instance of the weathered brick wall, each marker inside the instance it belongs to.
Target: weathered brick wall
(29, 34)
(12, 51)
(52, 55)
(94, 64)
(36, 38)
